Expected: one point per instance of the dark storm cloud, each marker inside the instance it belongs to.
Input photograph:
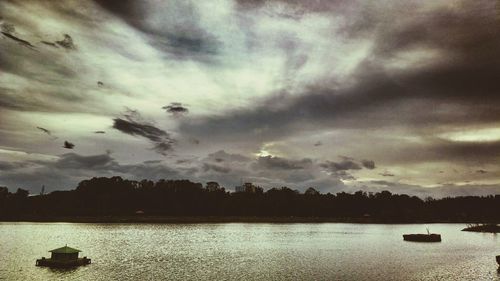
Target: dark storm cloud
(33, 180)
(176, 108)
(129, 10)
(7, 27)
(368, 164)
(47, 90)
(52, 63)
(223, 156)
(343, 165)
(421, 97)
(132, 124)
(386, 174)
(76, 161)
(153, 161)
(68, 145)
(10, 99)
(8, 30)
(435, 150)
(296, 8)
(62, 173)
(8, 166)
(344, 175)
(341, 169)
(48, 79)
(459, 88)
(160, 138)
(70, 168)
(49, 44)
(178, 32)
(457, 150)
(68, 10)
(45, 131)
(217, 168)
(18, 40)
(221, 162)
(4, 166)
(279, 163)
(107, 164)
(198, 42)
(154, 172)
(346, 158)
(67, 42)
(229, 169)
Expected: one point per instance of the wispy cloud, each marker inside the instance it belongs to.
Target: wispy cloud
(132, 124)
(176, 109)
(45, 131)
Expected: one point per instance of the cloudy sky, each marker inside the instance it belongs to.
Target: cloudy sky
(340, 95)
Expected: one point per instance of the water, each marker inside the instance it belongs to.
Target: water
(249, 251)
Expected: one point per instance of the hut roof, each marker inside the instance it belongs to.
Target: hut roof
(65, 250)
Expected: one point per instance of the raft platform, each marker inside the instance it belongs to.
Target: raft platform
(60, 263)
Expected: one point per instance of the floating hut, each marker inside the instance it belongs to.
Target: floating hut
(63, 257)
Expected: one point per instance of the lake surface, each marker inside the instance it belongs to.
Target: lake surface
(249, 251)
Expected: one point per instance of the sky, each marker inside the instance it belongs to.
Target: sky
(339, 95)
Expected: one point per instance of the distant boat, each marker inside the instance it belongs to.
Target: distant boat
(63, 257)
(429, 237)
(422, 237)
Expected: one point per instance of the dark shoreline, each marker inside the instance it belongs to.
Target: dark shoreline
(483, 228)
(118, 200)
(215, 219)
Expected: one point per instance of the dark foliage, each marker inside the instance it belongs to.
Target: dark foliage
(117, 196)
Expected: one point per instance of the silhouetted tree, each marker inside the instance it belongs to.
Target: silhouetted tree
(311, 191)
(118, 196)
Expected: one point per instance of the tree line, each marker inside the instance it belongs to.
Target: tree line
(116, 196)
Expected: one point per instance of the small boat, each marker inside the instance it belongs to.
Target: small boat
(63, 257)
(422, 237)
(429, 237)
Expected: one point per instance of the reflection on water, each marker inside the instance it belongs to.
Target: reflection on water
(246, 251)
(62, 271)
